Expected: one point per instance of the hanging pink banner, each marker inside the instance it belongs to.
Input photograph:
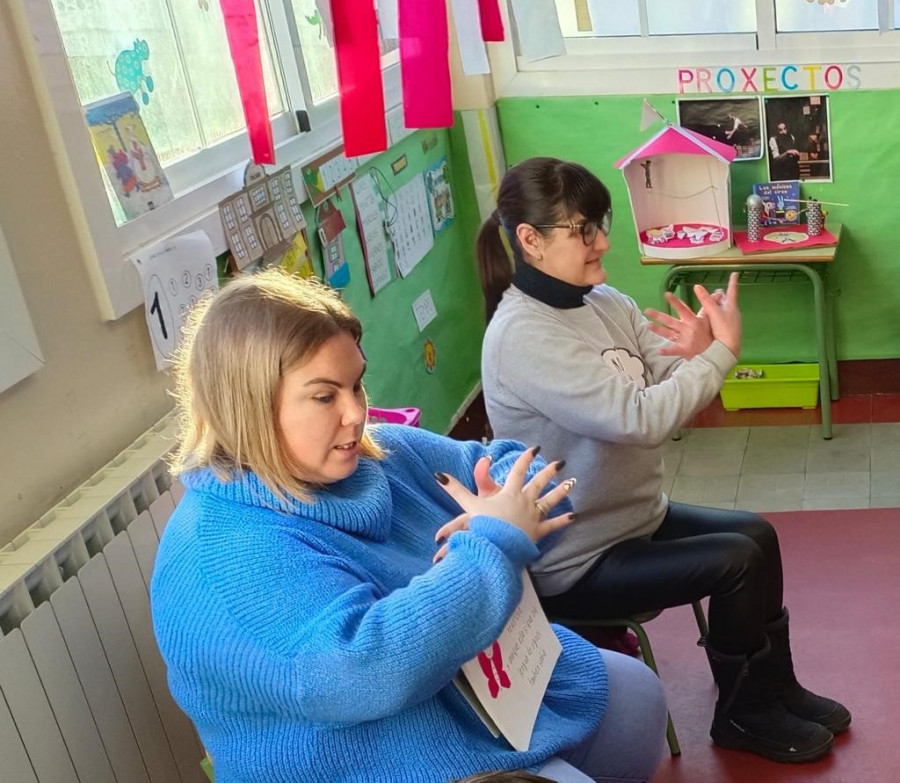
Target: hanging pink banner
(491, 22)
(243, 41)
(359, 76)
(424, 64)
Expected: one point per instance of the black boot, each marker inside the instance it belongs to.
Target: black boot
(750, 717)
(779, 667)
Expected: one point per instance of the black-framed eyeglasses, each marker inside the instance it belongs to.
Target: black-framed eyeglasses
(587, 228)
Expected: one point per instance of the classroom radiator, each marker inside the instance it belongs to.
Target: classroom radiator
(83, 692)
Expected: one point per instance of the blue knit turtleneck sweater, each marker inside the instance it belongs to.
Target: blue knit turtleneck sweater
(316, 642)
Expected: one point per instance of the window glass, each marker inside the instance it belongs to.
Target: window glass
(181, 75)
(794, 16)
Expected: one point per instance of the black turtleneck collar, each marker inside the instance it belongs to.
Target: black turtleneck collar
(547, 289)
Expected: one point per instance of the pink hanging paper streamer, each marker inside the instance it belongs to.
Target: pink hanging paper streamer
(424, 64)
(243, 41)
(359, 76)
(491, 21)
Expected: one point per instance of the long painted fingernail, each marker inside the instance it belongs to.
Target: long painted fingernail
(443, 478)
(440, 541)
(535, 451)
(573, 516)
(568, 484)
(560, 464)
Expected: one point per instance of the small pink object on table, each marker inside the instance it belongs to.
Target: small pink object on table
(408, 416)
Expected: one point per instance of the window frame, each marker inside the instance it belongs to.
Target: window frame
(645, 65)
(200, 181)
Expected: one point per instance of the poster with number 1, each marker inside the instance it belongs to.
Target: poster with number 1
(175, 274)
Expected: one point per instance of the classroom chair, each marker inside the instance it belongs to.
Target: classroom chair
(635, 623)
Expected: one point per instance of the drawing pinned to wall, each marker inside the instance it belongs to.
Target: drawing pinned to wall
(328, 173)
(369, 203)
(175, 274)
(126, 154)
(733, 121)
(129, 71)
(331, 224)
(411, 228)
(261, 219)
(440, 197)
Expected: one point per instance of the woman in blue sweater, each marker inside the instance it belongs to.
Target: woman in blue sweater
(307, 631)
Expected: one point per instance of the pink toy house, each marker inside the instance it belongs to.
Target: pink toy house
(679, 185)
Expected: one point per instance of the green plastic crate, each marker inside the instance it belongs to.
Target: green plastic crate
(781, 386)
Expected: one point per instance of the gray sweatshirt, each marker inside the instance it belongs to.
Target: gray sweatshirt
(589, 385)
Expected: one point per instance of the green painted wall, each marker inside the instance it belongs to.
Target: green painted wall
(396, 376)
(778, 320)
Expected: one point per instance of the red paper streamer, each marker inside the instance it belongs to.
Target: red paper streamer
(491, 22)
(359, 76)
(243, 41)
(424, 64)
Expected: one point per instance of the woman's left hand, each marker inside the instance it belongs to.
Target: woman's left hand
(486, 487)
(689, 333)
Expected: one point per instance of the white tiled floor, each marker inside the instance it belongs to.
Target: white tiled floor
(786, 468)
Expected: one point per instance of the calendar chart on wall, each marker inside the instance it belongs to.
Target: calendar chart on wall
(411, 229)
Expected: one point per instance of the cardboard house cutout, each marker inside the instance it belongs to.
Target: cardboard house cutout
(679, 185)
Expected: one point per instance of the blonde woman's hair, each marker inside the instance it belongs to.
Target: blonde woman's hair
(237, 346)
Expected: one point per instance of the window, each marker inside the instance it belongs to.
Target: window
(193, 112)
(188, 95)
(613, 18)
(317, 51)
(793, 16)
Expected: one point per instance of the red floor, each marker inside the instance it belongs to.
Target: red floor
(841, 585)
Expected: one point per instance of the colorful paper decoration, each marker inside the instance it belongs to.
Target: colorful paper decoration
(424, 65)
(359, 76)
(262, 219)
(126, 153)
(130, 76)
(491, 21)
(243, 41)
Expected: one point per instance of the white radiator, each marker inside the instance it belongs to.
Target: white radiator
(83, 693)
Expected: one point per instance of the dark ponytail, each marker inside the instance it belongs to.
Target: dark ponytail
(537, 191)
(494, 266)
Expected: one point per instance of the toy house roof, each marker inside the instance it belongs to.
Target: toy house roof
(674, 139)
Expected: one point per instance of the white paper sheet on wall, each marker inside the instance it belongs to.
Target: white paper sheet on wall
(397, 129)
(367, 201)
(175, 274)
(538, 26)
(467, 19)
(424, 310)
(411, 230)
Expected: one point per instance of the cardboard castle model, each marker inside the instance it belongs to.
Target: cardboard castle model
(679, 185)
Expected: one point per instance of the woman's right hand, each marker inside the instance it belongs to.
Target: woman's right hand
(723, 314)
(516, 502)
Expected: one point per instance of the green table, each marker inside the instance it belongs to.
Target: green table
(775, 266)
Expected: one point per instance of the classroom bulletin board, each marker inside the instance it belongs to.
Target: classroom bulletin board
(595, 131)
(397, 374)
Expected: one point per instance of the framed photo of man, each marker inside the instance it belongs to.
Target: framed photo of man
(734, 121)
(798, 138)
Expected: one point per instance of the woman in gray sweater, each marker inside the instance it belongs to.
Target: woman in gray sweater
(573, 364)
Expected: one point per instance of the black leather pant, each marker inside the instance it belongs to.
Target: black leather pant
(731, 556)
